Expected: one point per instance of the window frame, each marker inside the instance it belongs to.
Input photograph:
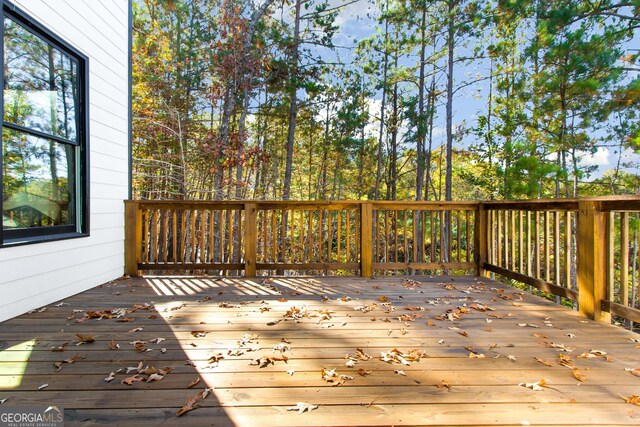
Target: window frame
(80, 227)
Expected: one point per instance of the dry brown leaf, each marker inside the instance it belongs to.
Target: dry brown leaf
(85, 339)
(199, 334)
(132, 379)
(541, 336)
(113, 345)
(444, 384)
(544, 362)
(363, 372)
(634, 372)
(189, 405)
(60, 348)
(463, 333)
(578, 375)
(194, 382)
(538, 386)
(126, 319)
(360, 354)
(383, 298)
(634, 400)
(262, 362)
(565, 360)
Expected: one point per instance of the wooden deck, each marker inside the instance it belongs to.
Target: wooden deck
(469, 373)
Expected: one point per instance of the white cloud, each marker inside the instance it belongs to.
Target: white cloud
(599, 158)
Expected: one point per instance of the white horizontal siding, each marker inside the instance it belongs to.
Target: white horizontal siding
(39, 274)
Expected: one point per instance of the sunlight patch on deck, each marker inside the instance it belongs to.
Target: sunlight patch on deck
(13, 363)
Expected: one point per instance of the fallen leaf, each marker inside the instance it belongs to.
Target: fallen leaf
(542, 336)
(132, 379)
(571, 335)
(43, 386)
(85, 339)
(60, 348)
(360, 354)
(400, 372)
(154, 377)
(444, 384)
(363, 372)
(565, 360)
(192, 402)
(138, 329)
(302, 407)
(635, 372)
(544, 362)
(538, 386)
(194, 382)
(262, 362)
(634, 400)
(157, 340)
(463, 333)
(578, 375)
(3, 400)
(291, 372)
(113, 345)
(199, 334)
(111, 377)
(473, 355)
(512, 358)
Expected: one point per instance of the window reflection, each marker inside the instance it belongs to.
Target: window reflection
(40, 83)
(38, 181)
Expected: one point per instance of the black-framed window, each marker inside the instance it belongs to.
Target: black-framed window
(44, 157)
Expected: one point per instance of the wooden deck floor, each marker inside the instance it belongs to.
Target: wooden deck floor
(469, 374)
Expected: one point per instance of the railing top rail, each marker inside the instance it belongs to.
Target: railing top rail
(604, 203)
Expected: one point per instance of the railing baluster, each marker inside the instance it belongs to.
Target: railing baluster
(547, 252)
(624, 259)
(499, 240)
(567, 249)
(520, 242)
(175, 236)
(529, 259)
(556, 246)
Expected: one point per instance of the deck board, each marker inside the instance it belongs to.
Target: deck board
(376, 315)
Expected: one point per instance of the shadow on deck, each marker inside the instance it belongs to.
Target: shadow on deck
(478, 341)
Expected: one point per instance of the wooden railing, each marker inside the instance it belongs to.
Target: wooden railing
(357, 236)
(584, 250)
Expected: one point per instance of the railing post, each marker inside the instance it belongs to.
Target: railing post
(366, 239)
(132, 237)
(591, 260)
(250, 238)
(480, 239)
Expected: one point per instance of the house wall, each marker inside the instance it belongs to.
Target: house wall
(38, 274)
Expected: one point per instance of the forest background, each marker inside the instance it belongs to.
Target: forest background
(385, 99)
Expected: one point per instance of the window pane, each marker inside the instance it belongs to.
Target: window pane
(38, 181)
(40, 87)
